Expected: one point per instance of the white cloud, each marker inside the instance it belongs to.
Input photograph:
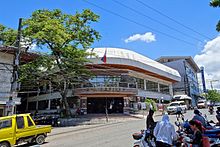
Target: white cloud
(210, 59)
(147, 37)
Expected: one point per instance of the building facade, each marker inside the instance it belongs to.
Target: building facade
(6, 71)
(188, 70)
(126, 79)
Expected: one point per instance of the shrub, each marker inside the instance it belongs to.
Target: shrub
(151, 102)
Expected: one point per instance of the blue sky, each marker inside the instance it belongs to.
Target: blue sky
(195, 14)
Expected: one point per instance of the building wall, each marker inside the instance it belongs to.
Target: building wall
(179, 87)
(189, 81)
(5, 78)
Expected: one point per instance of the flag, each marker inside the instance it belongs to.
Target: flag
(104, 59)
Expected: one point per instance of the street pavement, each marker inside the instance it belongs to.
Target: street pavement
(113, 134)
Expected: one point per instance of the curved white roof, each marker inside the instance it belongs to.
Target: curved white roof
(128, 57)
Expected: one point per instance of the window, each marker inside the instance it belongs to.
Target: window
(164, 89)
(43, 105)
(20, 122)
(54, 103)
(30, 123)
(32, 105)
(152, 86)
(140, 83)
(7, 123)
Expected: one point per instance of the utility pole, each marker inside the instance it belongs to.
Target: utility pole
(14, 84)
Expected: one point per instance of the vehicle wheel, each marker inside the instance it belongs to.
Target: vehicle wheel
(40, 139)
(4, 144)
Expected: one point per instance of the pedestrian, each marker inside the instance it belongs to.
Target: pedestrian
(196, 139)
(179, 112)
(164, 132)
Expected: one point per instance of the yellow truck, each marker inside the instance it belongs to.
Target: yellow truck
(17, 129)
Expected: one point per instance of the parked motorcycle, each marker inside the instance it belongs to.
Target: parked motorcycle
(143, 139)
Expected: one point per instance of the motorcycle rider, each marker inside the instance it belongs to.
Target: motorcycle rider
(218, 115)
(211, 109)
(150, 123)
(164, 132)
(179, 112)
(196, 140)
(198, 116)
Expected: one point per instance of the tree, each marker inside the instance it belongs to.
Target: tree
(7, 35)
(151, 103)
(213, 95)
(67, 37)
(216, 3)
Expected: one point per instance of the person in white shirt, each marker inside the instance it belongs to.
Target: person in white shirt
(164, 132)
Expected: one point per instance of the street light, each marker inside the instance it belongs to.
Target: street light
(211, 83)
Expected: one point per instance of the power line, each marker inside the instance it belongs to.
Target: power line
(172, 19)
(137, 23)
(155, 20)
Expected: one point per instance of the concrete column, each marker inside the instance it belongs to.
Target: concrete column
(49, 104)
(158, 85)
(126, 107)
(171, 89)
(145, 86)
(37, 105)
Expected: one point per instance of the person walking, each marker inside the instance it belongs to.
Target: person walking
(164, 132)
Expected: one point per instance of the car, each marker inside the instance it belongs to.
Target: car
(201, 104)
(172, 108)
(17, 129)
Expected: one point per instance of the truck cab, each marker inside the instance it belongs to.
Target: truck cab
(21, 128)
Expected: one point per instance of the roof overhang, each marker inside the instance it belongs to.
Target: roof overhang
(25, 56)
(189, 59)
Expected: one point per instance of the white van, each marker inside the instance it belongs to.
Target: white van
(172, 108)
(185, 98)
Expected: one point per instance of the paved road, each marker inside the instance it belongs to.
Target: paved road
(113, 135)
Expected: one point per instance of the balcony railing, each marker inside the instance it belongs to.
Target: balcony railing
(113, 87)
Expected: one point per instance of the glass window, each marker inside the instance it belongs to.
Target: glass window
(140, 83)
(32, 105)
(152, 86)
(174, 104)
(6, 123)
(30, 123)
(54, 103)
(20, 122)
(164, 89)
(42, 105)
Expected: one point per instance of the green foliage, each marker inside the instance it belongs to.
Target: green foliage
(151, 102)
(7, 36)
(213, 95)
(58, 30)
(216, 3)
